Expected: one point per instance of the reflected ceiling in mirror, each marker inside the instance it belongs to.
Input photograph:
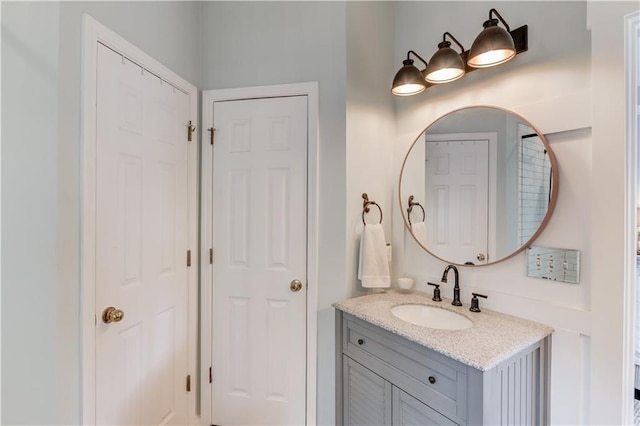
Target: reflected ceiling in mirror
(478, 186)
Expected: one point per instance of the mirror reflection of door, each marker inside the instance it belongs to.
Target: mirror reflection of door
(457, 197)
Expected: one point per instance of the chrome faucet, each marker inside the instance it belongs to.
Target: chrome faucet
(456, 287)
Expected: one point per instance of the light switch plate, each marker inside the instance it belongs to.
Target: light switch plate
(553, 264)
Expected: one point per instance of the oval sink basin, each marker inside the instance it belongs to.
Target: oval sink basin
(429, 316)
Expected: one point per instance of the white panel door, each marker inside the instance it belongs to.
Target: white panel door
(457, 194)
(259, 238)
(141, 244)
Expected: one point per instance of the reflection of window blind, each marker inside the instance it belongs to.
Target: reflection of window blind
(534, 173)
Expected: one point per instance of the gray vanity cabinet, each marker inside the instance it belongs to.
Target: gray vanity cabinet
(385, 379)
(367, 395)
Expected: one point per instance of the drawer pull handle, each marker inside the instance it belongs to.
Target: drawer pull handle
(432, 379)
(361, 341)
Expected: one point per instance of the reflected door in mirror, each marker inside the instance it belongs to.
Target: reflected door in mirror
(457, 194)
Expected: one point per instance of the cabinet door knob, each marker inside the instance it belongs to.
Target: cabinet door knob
(432, 379)
(361, 341)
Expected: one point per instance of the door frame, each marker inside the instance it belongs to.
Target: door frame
(93, 32)
(492, 137)
(632, 198)
(310, 90)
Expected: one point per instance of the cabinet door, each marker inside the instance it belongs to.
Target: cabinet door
(366, 396)
(408, 411)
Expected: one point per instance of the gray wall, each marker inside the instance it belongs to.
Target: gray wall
(263, 43)
(29, 188)
(41, 63)
(370, 123)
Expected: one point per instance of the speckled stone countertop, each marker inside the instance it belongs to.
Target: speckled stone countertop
(493, 338)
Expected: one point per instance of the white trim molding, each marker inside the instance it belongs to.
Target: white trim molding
(94, 33)
(632, 68)
(209, 97)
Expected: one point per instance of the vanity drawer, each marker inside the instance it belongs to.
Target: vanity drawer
(434, 379)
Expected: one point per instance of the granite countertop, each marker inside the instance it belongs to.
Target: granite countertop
(493, 338)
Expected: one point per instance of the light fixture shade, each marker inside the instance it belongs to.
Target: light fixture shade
(408, 80)
(493, 46)
(445, 65)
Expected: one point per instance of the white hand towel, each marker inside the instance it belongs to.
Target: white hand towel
(419, 231)
(373, 268)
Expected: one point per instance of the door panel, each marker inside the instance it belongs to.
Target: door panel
(259, 236)
(141, 243)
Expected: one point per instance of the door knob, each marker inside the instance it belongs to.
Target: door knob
(295, 285)
(112, 314)
(480, 257)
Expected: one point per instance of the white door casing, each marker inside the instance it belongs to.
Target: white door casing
(457, 199)
(139, 218)
(260, 196)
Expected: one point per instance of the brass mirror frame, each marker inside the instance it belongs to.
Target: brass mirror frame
(554, 185)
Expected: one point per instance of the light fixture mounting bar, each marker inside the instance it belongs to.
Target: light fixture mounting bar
(520, 38)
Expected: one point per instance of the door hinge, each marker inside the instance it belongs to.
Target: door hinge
(188, 257)
(211, 256)
(190, 129)
(210, 374)
(188, 382)
(212, 132)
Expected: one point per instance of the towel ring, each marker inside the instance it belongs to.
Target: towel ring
(365, 207)
(412, 204)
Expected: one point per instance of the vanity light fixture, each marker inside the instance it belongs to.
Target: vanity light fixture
(409, 80)
(495, 45)
(446, 64)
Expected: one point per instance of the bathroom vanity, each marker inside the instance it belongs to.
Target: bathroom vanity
(393, 372)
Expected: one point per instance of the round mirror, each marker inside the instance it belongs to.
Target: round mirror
(478, 186)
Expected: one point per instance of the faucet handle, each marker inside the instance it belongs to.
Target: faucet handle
(436, 292)
(475, 302)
